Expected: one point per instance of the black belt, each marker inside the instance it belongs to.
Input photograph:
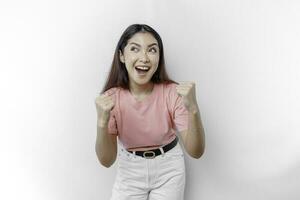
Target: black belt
(156, 152)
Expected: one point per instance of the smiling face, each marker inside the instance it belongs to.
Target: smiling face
(141, 58)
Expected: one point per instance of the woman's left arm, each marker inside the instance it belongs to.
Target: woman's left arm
(193, 137)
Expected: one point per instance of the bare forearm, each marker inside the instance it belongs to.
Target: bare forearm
(195, 138)
(106, 145)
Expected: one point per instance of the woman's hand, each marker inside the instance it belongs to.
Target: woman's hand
(104, 104)
(188, 92)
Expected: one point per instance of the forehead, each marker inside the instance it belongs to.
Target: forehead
(143, 38)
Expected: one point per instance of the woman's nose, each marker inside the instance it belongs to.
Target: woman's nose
(144, 57)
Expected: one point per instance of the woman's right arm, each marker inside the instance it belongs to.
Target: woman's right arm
(106, 144)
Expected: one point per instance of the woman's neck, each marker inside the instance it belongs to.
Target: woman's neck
(141, 89)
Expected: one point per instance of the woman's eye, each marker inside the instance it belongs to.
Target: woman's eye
(153, 50)
(133, 49)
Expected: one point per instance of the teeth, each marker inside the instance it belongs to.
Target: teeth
(142, 68)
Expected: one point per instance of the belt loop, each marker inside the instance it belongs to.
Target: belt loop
(162, 151)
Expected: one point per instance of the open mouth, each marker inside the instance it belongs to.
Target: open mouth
(142, 69)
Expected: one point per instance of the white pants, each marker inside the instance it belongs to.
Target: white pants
(160, 178)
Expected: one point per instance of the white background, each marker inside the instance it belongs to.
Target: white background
(243, 56)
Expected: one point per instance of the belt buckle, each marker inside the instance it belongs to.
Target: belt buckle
(149, 157)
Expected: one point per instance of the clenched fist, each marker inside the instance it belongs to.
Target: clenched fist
(104, 104)
(187, 91)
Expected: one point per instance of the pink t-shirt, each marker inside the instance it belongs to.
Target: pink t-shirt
(152, 121)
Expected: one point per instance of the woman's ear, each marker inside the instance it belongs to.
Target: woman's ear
(121, 56)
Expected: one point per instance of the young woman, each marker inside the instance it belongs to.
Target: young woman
(144, 109)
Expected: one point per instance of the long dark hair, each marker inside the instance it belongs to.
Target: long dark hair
(118, 75)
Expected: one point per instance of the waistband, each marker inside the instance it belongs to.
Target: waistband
(156, 152)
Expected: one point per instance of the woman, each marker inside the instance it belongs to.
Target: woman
(143, 108)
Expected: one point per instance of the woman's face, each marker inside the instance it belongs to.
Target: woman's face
(141, 57)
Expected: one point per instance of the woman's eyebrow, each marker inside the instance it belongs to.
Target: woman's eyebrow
(140, 45)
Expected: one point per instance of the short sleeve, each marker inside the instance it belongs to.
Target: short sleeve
(179, 111)
(112, 123)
